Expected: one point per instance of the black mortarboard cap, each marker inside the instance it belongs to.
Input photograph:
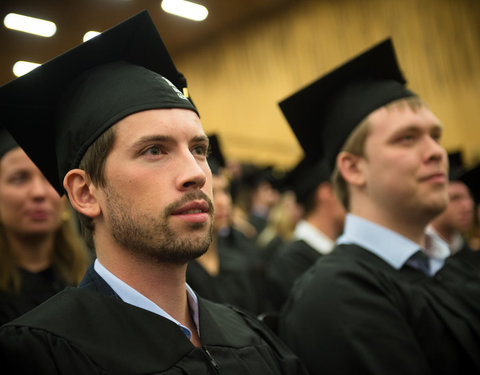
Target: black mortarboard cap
(471, 178)
(305, 177)
(56, 111)
(458, 171)
(323, 114)
(253, 175)
(456, 167)
(216, 161)
(7, 142)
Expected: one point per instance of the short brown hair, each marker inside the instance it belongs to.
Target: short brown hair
(93, 163)
(355, 144)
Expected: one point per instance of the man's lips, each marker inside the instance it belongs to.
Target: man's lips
(438, 177)
(194, 207)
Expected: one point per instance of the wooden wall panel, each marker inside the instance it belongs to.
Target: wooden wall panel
(237, 78)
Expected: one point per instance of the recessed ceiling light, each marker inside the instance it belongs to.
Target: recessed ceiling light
(23, 67)
(89, 35)
(186, 9)
(29, 25)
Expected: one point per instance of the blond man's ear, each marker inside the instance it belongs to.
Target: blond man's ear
(81, 193)
(350, 166)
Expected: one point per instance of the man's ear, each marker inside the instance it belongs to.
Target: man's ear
(350, 166)
(81, 193)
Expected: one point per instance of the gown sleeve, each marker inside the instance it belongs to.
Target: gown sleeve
(24, 350)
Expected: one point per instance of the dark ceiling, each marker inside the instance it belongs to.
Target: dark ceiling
(75, 17)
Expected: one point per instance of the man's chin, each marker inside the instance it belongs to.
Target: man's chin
(437, 207)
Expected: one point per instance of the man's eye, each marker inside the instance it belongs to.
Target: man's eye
(406, 138)
(200, 150)
(153, 150)
(437, 137)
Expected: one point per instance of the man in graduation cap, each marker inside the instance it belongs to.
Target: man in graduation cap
(452, 224)
(107, 122)
(315, 234)
(385, 301)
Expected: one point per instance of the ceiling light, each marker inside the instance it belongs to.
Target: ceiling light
(186, 9)
(23, 67)
(89, 35)
(29, 25)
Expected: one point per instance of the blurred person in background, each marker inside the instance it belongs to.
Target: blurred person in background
(281, 223)
(314, 235)
(454, 223)
(41, 251)
(254, 195)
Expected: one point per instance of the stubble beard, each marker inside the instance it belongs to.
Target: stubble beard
(153, 238)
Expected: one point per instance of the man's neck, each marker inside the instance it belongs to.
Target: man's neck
(410, 227)
(325, 224)
(161, 283)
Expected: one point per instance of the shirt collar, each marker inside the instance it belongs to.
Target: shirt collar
(314, 237)
(390, 246)
(135, 298)
(454, 245)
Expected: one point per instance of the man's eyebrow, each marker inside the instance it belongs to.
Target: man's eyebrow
(415, 127)
(201, 138)
(166, 139)
(153, 138)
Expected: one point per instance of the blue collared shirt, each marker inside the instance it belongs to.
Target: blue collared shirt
(135, 298)
(390, 246)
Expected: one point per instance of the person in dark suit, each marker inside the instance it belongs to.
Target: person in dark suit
(314, 235)
(387, 299)
(110, 122)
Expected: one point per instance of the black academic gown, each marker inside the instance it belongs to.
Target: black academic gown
(237, 243)
(233, 284)
(292, 260)
(89, 330)
(35, 288)
(259, 222)
(470, 258)
(352, 313)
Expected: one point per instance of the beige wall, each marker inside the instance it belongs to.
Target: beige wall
(237, 79)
